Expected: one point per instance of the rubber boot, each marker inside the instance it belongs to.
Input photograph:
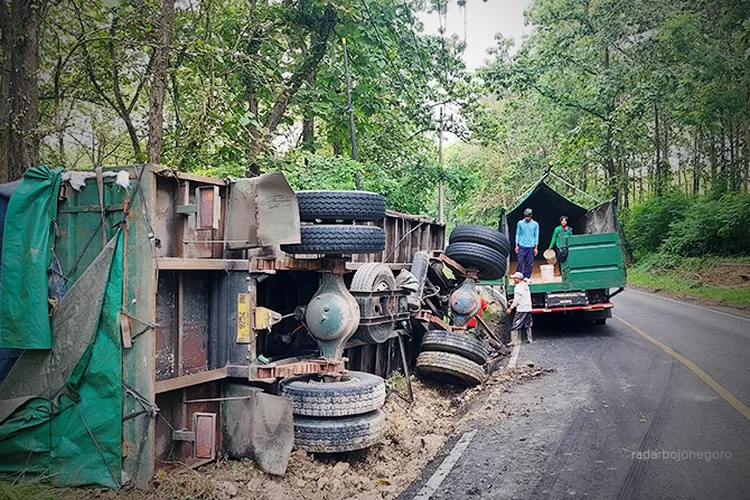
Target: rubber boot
(529, 337)
(514, 338)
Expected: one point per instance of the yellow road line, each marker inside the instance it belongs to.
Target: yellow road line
(713, 384)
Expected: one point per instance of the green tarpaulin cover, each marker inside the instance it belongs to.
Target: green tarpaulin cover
(27, 252)
(61, 409)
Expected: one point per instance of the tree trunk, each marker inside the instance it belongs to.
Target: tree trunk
(5, 47)
(666, 166)
(159, 84)
(746, 157)
(119, 103)
(625, 184)
(23, 143)
(308, 118)
(657, 147)
(610, 166)
(712, 159)
(301, 75)
(696, 165)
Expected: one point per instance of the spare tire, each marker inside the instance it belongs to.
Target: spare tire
(489, 263)
(455, 343)
(356, 393)
(373, 277)
(335, 435)
(324, 239)
(450, 368)
(481, 235)
(340, 205)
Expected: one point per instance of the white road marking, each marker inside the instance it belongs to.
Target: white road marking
(432, 485)
(735, 316)
(514, 356)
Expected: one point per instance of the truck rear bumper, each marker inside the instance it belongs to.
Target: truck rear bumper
(591, 307)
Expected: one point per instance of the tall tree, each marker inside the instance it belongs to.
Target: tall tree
(159, 83)
(19, 110)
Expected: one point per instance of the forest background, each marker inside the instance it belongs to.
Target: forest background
(647, 102)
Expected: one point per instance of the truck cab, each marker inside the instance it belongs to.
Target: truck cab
(593, 270)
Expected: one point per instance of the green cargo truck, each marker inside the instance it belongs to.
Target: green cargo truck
(594, 270)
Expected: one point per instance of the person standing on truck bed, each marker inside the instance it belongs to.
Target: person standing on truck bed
(562, 230)
(527, 243)
(522, 305)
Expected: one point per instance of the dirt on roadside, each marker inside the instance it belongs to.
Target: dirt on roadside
(414, 437)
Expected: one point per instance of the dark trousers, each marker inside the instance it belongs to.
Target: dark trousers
(522, 321)
(525, 261)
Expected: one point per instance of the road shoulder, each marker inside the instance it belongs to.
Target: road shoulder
(692, 301)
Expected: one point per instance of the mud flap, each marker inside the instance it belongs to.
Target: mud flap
(597, 315)
(258, 426)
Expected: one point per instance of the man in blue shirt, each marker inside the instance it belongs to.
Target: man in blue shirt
(527, 243)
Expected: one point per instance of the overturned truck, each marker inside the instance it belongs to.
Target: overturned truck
(171, 301)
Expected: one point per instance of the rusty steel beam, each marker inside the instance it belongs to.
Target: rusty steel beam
(286, 263)
(456, 267)
(431, 318)
(172, 384)
(292, 367)
(201, 264)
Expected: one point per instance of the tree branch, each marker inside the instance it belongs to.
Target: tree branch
(303, 72)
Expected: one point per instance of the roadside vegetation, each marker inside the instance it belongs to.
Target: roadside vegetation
(692, 246)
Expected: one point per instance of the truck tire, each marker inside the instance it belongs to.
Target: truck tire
(340, 205)
(455, 343)
(356, 393)
(373, 277)
(450, 368)
(481, 235)
(336, 435)
(489, 263)
(325, 239)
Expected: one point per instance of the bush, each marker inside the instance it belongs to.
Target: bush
(675, 225)
(648, 224)
(712, 227)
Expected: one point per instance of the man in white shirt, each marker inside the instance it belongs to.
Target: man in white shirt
(522, 306)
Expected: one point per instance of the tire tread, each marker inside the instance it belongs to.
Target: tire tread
(340, 205)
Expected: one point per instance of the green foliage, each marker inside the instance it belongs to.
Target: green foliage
(664, 228)
(712, 226)
(633, 96)
(647, 225)
(244, 77)
(410, 188)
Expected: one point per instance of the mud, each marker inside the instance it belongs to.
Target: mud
(415, 435)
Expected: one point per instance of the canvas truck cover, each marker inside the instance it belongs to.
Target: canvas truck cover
(28, 238)
(61, 408)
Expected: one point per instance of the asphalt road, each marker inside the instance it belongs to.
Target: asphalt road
(620, 417)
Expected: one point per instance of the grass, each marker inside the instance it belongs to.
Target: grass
(30, 490)
(396, 382)
(700, 278)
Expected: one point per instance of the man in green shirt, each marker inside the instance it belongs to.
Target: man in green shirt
(562, 230)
